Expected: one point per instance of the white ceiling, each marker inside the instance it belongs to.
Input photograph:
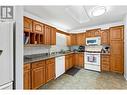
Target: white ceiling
(75, 17)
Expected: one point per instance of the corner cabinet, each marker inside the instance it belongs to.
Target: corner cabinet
(79, 60)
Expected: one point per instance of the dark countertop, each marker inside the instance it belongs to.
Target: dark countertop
(39, 57)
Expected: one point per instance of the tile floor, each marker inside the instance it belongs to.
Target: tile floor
(86, 79)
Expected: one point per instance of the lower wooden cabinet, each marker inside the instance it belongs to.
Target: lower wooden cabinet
(50, 69)
(27, 79)
(105, 62)
(79, 60)
(68, 61)
(38, 74)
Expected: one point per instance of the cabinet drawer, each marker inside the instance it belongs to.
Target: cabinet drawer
(52, 60)
(27, 66)
(38, 64)
(105, 63)
(105, 68)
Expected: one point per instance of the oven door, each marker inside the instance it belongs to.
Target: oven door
(92, 58)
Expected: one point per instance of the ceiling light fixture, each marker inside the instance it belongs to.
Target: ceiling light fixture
(97, 11)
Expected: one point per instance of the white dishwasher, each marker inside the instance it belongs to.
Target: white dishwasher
(59, 65)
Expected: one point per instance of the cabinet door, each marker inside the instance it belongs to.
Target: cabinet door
(50, 69)
(70, 60)
(117, 56)
(38, 27)
(105, 37)
(80, 39)
(47, 35)
(116, 33)
(53, 36)
(27, 24)
(105, 62)
(80, 60)
(97, 33)
(38, 77)
(27, 79)
(73, 39)
(68, 40)
(67, 65)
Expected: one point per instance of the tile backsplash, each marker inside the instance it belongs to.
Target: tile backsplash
(36, 50)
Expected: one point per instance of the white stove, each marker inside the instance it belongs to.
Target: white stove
(92, 58)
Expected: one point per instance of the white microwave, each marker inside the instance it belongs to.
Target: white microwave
(93, 41)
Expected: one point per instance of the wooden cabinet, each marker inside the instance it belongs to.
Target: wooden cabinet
(80, 39)
(68, 61)
(38, 74)
(116, 33)
(27, 77)
(73, 39)
(117, 56)
(47, 35)
(68, 40)
(116, 48)
(105, 37)
(38, 33)
(50, 69)
(27, 24)
(93, 33)
(79, 60)
(38, 27)
(105, 62)
(53, 36)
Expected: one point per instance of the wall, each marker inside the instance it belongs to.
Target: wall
(103, 26)
(19, 47)
(125, 47)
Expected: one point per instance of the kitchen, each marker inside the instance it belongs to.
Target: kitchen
(84, 57)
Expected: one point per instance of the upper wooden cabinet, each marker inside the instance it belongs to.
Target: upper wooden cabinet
(38, 33)
(53, 36)
(27, 24)
(80, 39)
(73, 39)
(116, 33)
(105, 36)
(38, 27)
(50, 69)
(93, 33)
(47, 35)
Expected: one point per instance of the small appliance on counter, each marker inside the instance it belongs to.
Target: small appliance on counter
(81, 49)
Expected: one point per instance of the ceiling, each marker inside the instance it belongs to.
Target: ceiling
(75, 17)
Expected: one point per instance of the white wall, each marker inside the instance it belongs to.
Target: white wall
(125, 47)
(19, 47)
(103, 26)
